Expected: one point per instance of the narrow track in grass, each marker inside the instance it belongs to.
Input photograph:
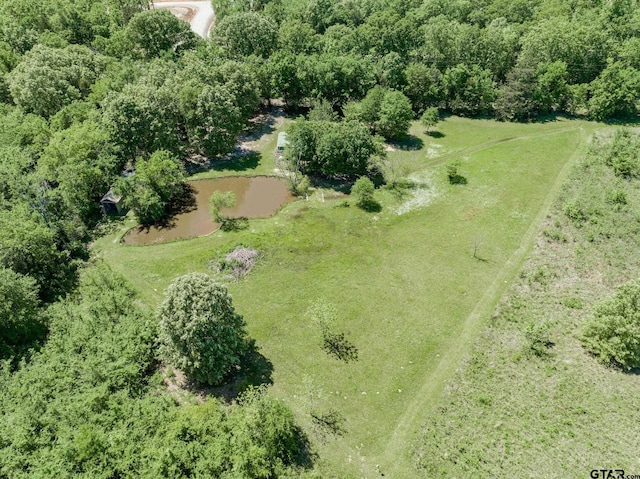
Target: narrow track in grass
(438, 160)
(396, 461)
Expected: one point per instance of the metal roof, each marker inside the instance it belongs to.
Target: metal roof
(282, 140)
(110, 197)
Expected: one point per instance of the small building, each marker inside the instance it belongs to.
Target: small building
(282, 141)
(112, 204)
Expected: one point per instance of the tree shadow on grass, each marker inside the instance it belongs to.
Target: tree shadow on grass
(339, 184)
(239, 161)
(481, 259)
(338, 346)
(254, 370)
(435, 134)
(408, 143)
(631, 121)
(370, 206)
(330, 423)
(457, 179)
(234, 224)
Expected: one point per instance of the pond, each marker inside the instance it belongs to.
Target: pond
(256, 197)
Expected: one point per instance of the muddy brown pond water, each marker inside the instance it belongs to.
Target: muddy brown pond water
(256, 197)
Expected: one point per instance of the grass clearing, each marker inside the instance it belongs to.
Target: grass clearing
(406, 287)
(529, 401)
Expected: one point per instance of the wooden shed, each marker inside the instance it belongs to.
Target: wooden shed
(112, 204)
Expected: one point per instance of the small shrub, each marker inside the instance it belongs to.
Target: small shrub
(298, 184)
(363, 190)
(575, 212)
(555, 235)
(541, 276)
(538, 338)
(220, 200)
(622, 156)
(613, 332)
(572, 303)
(430, 118)
(617, 197)
(453, 174)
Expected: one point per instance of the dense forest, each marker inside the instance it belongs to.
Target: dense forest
(91, 88)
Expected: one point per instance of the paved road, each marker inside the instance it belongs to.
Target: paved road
(203, 18)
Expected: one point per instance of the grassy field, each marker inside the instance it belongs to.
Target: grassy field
(410, 294)
(526, 411)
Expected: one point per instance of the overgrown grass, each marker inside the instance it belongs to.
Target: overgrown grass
(408, 289)
(529, 400)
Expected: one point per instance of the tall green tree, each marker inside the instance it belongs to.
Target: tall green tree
(81, 161)
(143, 118)
(386, 112)
(21, 321)
(49, 78)
(155, 32)
(395, 115)
(154, 184)
(331, 149)
(424, 86)
(247, 33)
(200, 331)
(469, 90)
(29, 247)
(212, 118)
(615, 92)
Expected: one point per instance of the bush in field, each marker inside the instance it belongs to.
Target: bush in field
(622, 156)
(363, 191)
(613, 333)
(453, 174)
(200, 331)
(265, 439)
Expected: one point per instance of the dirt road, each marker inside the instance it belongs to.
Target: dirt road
(202, 19)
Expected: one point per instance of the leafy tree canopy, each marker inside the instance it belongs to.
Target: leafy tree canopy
(49, 78)
(200, 332)
(613, 333)
(154, 184)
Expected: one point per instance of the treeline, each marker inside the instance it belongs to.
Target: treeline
(515, 60)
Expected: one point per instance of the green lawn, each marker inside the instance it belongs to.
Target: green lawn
(410, 294)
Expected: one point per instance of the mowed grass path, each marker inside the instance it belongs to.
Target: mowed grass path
(409, 293)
